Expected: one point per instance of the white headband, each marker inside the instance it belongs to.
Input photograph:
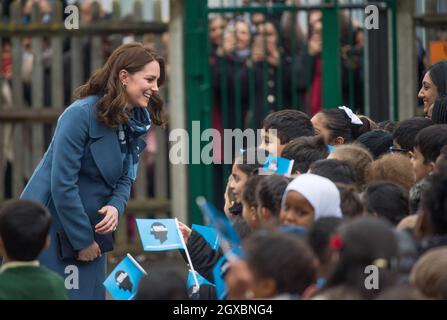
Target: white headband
(351, 115)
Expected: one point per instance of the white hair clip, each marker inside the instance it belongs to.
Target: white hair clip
(351, 115)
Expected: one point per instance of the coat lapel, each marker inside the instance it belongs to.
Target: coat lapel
(105, 150)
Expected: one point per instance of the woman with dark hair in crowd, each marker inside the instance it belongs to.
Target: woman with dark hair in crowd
(87, 173)
(434, 84)
(439, 112)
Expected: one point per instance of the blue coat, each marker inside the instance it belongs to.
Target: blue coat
(81, 172)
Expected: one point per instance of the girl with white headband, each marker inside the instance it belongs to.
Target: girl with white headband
(308, 198)
(339, 126)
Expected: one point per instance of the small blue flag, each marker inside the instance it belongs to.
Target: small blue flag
(278, 165)
(202, 281)
(122, 283)
(220, 222)
(209, 234)
(159, 234)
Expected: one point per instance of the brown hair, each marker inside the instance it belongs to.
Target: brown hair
(428, 274)
(351, 203)
(393, 167)
(357, 156)
(111, 107)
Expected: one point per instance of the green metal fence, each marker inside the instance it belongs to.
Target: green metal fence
(272, 55)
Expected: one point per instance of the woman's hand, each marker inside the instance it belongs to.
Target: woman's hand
(185, 230)
(90, 253)
(110, 221)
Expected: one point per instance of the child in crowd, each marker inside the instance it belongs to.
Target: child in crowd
(288, 124)
(24, 227)
(428, 145)
(387, 200)
(359, 244)
(393, 167)
(338, 126)
(243, 168)
(358, 157)
(338, 171)
(269, 195)
(405, 134)
(276, 266)
(378, 142)
(249, 204)
(351, 203)
(318, 238)
(308, 198)
(429, 274)
(432, 224)
(305, 151)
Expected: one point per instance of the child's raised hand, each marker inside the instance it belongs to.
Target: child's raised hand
(185, 230)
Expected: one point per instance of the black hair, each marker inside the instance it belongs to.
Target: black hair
(441, 162)
(282, 257)
(388, 200)
(319, 235)
(439, 115)
(434, 202)
(251, 160)
(407, 130)
(162, 284)
(242, 228)
(438, 75)
(290, 124)
(338, 171)
(340, 125)
(24, 227)
(249, 194)
(270, 191)
(378, 142)
(431, 140)
(364, 242)
(305, 151)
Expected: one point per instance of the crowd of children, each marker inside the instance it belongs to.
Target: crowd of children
(362, 196)
(359, 197)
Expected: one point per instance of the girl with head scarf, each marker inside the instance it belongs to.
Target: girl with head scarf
(308, 198)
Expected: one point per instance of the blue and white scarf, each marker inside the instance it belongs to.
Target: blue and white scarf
(128, 135)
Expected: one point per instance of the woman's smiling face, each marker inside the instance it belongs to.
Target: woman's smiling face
(428, 92)
(141, 85)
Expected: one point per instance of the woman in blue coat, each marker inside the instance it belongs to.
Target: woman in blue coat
(86, 174)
